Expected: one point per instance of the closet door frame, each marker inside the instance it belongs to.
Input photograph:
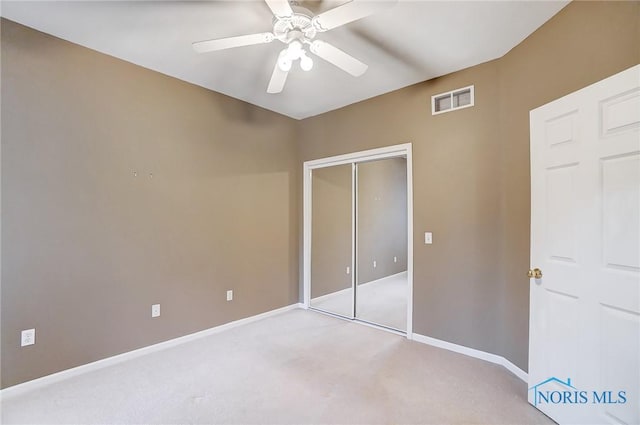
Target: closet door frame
(395, 151)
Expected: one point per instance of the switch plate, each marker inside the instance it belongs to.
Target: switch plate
(348, 269)
(28, 337)
(428, 238)
(230, 295)
(375, 264)
(395, 259)
(155, 310)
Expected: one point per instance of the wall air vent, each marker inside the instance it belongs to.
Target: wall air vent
(450, 101)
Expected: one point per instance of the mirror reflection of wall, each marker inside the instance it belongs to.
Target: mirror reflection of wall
(382, 290)
(331, 240)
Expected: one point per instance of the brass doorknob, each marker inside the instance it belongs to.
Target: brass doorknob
(534, 274)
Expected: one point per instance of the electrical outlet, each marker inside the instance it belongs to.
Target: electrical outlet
(28, 337)
(155, 310)
(229, 295)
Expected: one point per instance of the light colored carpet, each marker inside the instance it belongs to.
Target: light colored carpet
(383, 301)
(297, 367)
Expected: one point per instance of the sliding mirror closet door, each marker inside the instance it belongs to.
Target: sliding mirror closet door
(381, 233)
(332, 240)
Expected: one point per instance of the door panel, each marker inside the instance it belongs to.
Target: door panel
(620, 112)
(621, 212)
(619, 348)
(585, 236)
(561, 316)
(616, 282)
(331, 240)
(562, 211)
(382, 288)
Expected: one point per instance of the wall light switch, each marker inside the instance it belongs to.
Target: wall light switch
(428, 238)
(375, 264)
(28, 337)
(230, 295)
(395, 259)
(155, 310)
(348, 269)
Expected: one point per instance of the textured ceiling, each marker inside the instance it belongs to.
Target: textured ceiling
(410, 42)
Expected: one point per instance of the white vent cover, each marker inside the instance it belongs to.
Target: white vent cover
(450, 101)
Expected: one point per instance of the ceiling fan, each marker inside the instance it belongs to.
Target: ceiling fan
(297, 30)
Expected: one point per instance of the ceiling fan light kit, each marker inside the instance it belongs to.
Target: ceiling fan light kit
(297, 30)
(292, 53)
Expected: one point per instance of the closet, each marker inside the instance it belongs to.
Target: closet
(357, 240)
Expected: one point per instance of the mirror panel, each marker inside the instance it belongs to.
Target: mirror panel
(382, 286)
(331, 240)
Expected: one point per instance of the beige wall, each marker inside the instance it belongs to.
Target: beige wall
(456, 196)
(471, 169)
(382, 218)
(87, 248)
(583, 44)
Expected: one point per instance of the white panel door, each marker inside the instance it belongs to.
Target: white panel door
(584, 340)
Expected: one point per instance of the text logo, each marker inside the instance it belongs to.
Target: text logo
(557, 391)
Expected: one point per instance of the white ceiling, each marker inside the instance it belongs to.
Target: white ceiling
(411, 42)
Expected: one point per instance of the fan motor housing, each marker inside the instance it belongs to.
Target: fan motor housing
(295, 27)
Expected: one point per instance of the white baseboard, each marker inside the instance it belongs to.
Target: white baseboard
(472, 352)
(99, 364)
(515, 370)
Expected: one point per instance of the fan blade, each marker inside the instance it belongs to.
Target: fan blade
(280, 8)
(349, 12)
(339, 58)
(278, 78)
(230, 42)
